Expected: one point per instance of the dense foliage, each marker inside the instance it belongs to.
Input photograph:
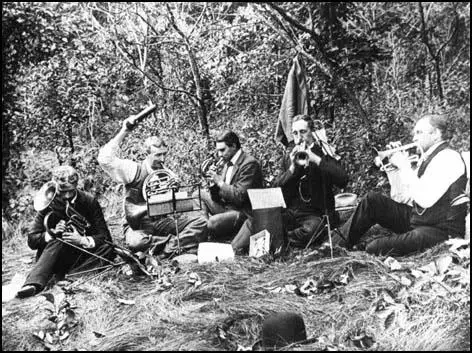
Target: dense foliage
(74, 71)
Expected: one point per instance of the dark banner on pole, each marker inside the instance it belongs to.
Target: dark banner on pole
(295, 101)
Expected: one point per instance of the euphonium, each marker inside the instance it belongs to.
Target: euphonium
(74, 220)
(381, 160)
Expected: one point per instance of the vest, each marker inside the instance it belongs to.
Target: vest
(441, 215)
(134, 204)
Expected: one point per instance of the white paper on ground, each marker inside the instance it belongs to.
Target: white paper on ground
(259, 244)
(215, 252)
(10, 290)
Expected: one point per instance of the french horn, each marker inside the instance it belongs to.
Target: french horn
(158, 182)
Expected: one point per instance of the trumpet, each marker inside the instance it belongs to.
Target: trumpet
(381, 159)
(301, 158)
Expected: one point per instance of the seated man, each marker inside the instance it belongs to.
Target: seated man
(141, 231)
(307, 183)
(429, 218)
(59, 257)
(226, 204)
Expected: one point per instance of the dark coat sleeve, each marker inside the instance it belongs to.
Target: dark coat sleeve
(98, 230)
(334, 170)
(36, 232)
(249, 177)
(285, 177)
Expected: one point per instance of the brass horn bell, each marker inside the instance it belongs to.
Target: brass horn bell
(45, 196)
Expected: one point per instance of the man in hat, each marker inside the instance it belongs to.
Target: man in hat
(226, 203)
(60, 257)
(142, 232)
(307, 183)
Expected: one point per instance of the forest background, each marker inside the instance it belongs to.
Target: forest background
(73, 71)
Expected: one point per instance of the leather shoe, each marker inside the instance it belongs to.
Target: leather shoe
(26, 291)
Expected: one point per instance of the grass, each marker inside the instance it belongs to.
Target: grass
(375, 310)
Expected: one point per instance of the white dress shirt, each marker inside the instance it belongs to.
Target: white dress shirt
(443, 170)
(122, 170)
(229, 171)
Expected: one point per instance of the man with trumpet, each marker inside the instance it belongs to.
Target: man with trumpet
(141, 231)
(307, 178)
(433, 210)
(63, 245)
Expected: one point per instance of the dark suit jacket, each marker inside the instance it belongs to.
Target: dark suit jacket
(320, 182)
(247, 174)
(87, 206)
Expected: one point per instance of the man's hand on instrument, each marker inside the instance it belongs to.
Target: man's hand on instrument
(292, 154)
(393, 144)
(217, 179)
(173, 183)
(400, 160)
(60, 228)
(74, 238)
(313, 157)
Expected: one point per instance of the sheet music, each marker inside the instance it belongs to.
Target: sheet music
(266, 198)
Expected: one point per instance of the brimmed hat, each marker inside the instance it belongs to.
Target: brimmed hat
(281, 329)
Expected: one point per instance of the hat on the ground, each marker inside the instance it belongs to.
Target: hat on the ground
(281, 329)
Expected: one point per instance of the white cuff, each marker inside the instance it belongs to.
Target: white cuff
(47, 237)
(88, 243)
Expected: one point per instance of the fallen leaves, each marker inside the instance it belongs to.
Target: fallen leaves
(361, 339)
(194, 278)
(64, 318)
(126, 301)
(393, 264)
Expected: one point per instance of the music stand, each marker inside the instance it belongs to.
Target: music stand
(324, 219)
(170, 201)
(319, 231)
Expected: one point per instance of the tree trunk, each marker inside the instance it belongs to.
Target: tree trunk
(202, 110)
(5, 160)
(437, 67)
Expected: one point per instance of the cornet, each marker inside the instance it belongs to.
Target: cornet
(301, 157)
(381, 160)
